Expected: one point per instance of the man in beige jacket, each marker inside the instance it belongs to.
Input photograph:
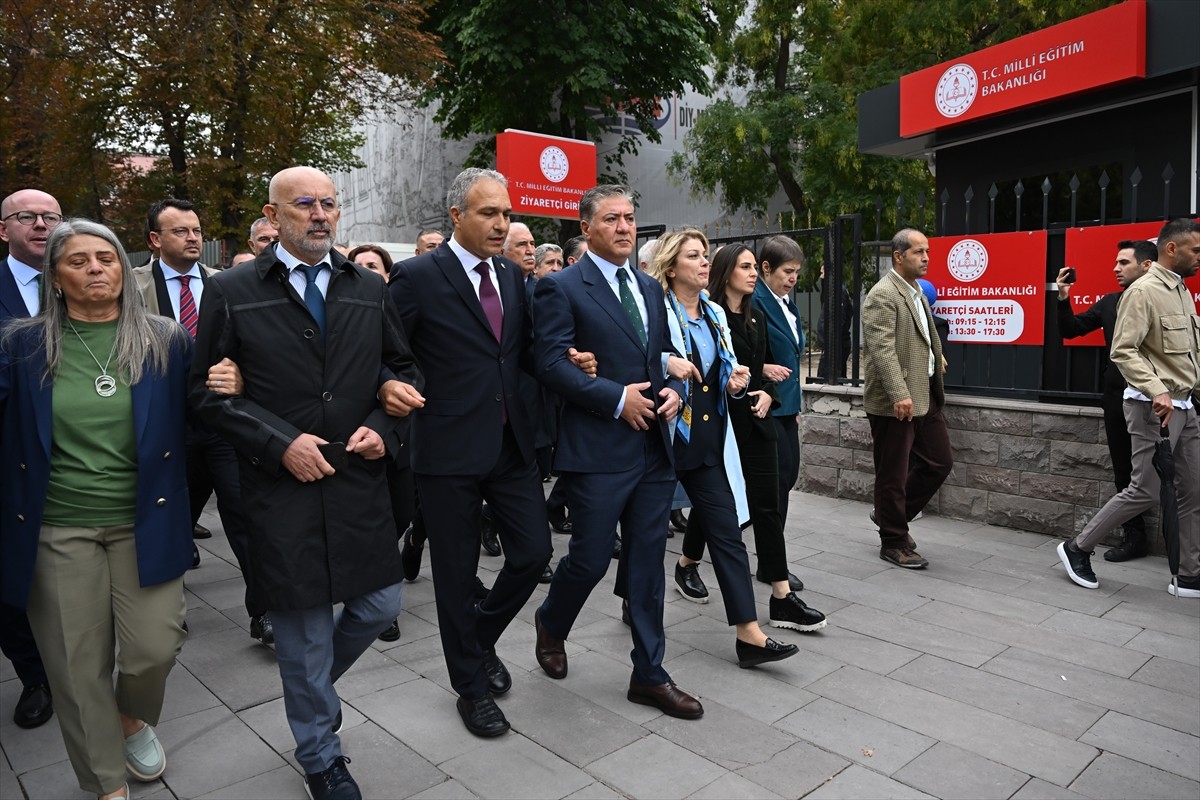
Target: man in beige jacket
(1156, 345)
(903, 397)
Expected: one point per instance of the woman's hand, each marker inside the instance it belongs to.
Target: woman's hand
(760, 403)
(681, 369)
(225, 378)
(776, 372)
(738, 380)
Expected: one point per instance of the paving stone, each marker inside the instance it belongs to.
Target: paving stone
(56, 781)
(947, 771)
(1013, 744)
(423, 716)
(1038, 789)
(1052, 712)
(796, 771)
(963, 502)
(727, 737)
(1147, 743)
(372, 672)
(31, 749)
(9, 785)
(677, 772)
(1176, 624)
(757, 693)
(604, 681)
(386, 768)
(822, 480)
(1113, 777)
(966, 596)
(594, 791)
(202, 620)
(1149, 703)
(842, 565)
(894, 598)
(447, 790)
(918, 635)
(283, 783)
(855, 735)
(222, 594)
(1170, 675)
(1165, 645)
(198, 743)
(856, 782)
(1090, 627)
(730, 787)
(185, 695)
(256, 679)
(1028, 513)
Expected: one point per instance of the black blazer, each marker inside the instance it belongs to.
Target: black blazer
(11, 302)
(471, 380)
(750, 348)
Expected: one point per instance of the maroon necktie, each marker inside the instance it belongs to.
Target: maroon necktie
(490, 300)
(187, 306)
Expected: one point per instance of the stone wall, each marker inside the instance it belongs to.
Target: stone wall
(1031, 466)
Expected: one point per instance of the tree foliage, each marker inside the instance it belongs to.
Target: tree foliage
(220, 93)
(560, 67)
(803, 66)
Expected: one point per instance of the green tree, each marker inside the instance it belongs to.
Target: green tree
(560, 67)
(221, 93)
(803, 65)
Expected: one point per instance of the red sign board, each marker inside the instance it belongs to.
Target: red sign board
(991, 288)
(1093, 254)
(546, 174)
(1095, 50)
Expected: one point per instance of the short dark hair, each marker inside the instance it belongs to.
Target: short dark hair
(1176, 230)
(156, 210)
(777, 250)
(428, 231)
(592, 197)
(384, 255)
(573, 246)
(903, 240)
(1142, 249)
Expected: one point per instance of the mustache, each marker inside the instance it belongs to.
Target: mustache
(320, 227)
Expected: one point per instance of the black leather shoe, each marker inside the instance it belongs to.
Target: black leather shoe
(334, 783)
(558, 520)
(751, 655)
(483, 717)
(625, 613)
(262, 629)
(791, 612)
(547, 574)
(550, 653)
(679, 520)
(481, 591)
(490, 538)
(410, 554)
(201, 532)
(1133, 547)
(195, 557)
(794, 583)
(616, 553)
(391, 633)
(34, 706)
(499, 681)
(687, 581)
(667, 698)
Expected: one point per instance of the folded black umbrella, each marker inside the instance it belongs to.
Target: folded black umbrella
(1164, 465)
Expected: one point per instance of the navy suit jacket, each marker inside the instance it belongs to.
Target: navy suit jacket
(471, 380)
(783, 349)
(577, 308)
(162, 522)
(11, 302)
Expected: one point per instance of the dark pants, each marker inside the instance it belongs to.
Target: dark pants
(789, 459)
(403, 492)
(1120, 450)
(212, 467)
(451, 507)
(18, 646)
(714, 519)
(760, 467)
(912, 458)
(558, 495)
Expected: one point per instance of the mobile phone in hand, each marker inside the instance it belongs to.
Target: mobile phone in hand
(334, 453)
(1070, 276)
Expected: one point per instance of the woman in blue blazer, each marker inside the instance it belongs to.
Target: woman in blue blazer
(779, 264)
(95, 529)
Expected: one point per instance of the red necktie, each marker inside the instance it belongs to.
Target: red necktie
(490, 300)
(187, 306)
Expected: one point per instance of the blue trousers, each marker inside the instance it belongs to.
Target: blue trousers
(314, 647)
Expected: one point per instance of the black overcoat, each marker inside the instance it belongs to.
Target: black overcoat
(333, 539)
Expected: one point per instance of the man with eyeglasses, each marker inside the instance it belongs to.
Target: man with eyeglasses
(172, 285)
(26, 219)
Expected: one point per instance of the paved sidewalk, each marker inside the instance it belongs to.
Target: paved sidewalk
(988, 675)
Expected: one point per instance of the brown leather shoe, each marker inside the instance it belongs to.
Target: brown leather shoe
(903, 557)
(550, 653)
(667, 698)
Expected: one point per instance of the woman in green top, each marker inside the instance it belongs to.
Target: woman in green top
(95, 532)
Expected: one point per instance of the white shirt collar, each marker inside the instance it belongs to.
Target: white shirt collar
(468, 259)
(609, 269)
(291, 262)
(170, 272)
(21, 271)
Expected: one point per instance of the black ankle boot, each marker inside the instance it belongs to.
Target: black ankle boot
(1134, 546)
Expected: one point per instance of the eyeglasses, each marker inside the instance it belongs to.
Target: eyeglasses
(181, 233)
(28, 217)
(309, 204)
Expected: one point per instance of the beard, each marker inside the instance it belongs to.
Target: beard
(296, 239)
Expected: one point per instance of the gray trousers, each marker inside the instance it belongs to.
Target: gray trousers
(1142, 493)
(86, 594)
(313, 647)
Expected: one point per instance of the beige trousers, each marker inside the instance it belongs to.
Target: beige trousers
(85, 591)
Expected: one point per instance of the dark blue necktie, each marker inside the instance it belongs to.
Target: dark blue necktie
(312, 294)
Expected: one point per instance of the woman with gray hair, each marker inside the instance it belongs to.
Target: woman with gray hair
(95, 530)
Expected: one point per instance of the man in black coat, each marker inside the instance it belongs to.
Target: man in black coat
(1133, 261)
(465, 311)
(314, 335)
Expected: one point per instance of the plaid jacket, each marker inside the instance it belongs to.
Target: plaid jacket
(896, 353)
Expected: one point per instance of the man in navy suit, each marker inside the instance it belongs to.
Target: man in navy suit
(26, 218)
(614, 446)
(465, 313)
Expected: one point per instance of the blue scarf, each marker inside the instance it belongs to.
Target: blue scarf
(683, 424)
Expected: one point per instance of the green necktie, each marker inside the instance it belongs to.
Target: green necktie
(630, 305)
